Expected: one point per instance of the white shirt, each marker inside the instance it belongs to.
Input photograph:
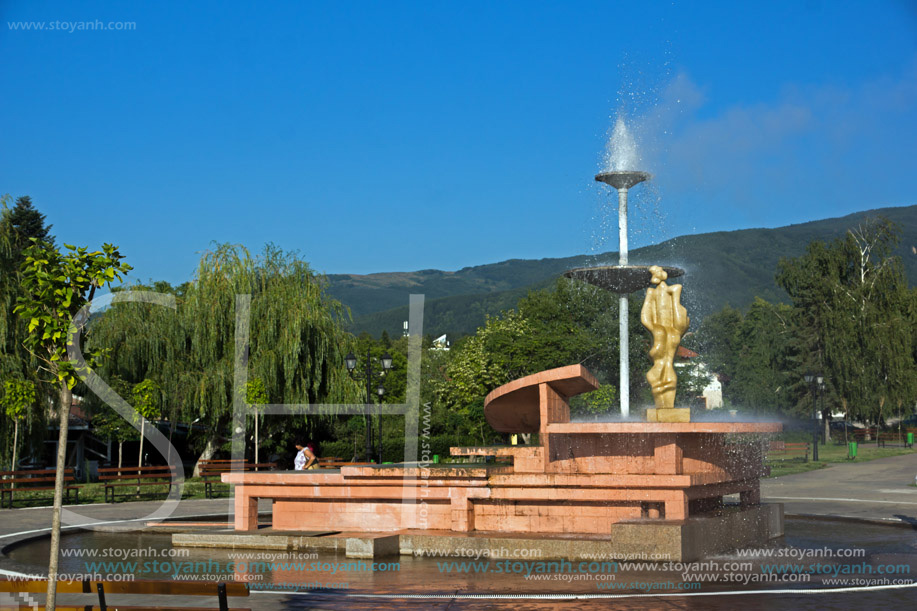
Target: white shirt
(300, 461)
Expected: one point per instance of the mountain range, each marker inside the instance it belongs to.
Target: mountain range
(725, 267)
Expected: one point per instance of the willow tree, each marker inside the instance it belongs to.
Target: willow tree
(297, 335)
(146, 341)
(297, 341)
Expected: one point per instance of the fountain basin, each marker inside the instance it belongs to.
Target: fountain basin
(643, 483)
(620, 278)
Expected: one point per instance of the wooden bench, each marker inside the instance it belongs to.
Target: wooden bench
(117, 477)
(895, 437)
(141, 588)
(337, 464)
(860, 435)
(26, 480)
(490, 454)
(785, 449)
(212, 469)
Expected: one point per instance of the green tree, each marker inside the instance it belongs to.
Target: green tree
(855, 317)
(109, 424)
(56, 287)
(569, 323)
(147, 400)
(18, 226)
(29, 223)
(716, 341)
(256, 394)
(762, 379)
(484, 361)
(603, 400)
(17, 398)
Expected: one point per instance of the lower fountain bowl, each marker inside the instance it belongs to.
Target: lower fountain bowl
(620, 278)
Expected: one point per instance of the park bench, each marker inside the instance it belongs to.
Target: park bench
(29, 480)
(140, 588)
(135, 477)
(490, 454)
(337, 463)
(212, 469)
(788, 450)
(893, 437)
(861, 435)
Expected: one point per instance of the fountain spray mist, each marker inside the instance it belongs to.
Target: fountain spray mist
(621, 149)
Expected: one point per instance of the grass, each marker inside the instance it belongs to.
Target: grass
(833, 453)
(92, 493)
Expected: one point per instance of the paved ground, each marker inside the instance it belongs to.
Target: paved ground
(875, 490)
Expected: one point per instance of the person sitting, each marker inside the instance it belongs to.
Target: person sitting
(305, 458)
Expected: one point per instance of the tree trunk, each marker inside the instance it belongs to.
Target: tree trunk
(15, 445)
(120, 453)
(65, 398)
(209, 450)
(826, 417)
(140, 460)
(171, 431)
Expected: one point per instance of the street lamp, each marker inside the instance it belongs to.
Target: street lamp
(370, 375)
(816, 382)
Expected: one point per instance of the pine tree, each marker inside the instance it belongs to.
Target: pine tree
(29, 223)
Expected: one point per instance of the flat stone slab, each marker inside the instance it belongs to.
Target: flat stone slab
(353, 545)
(697, 537)
(633, 428)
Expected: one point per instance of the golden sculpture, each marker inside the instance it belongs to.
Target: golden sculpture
(667, 320)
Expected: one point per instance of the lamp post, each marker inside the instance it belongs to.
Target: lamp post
(816, 382)
(370, 375)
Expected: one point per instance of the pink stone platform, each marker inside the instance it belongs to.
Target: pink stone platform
(582, 478)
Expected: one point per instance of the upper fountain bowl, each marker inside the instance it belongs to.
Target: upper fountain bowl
(620, 278)
(622, 180)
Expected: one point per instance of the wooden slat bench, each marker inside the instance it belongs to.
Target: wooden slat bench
(785, 449)
(141, 588)
(860, 435)
(117, 477)
(212, 469)
(490, 454)
(337, 464)
(28, 480)
(893, 437)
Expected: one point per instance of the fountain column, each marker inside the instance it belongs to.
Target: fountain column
(622, 283)
(623, 278)
(623, 310)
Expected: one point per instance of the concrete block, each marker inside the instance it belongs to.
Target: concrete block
(372, 547)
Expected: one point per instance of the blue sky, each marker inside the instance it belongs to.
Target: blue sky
(392, 136)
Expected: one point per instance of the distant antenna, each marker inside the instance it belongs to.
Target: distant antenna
(406, 334)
